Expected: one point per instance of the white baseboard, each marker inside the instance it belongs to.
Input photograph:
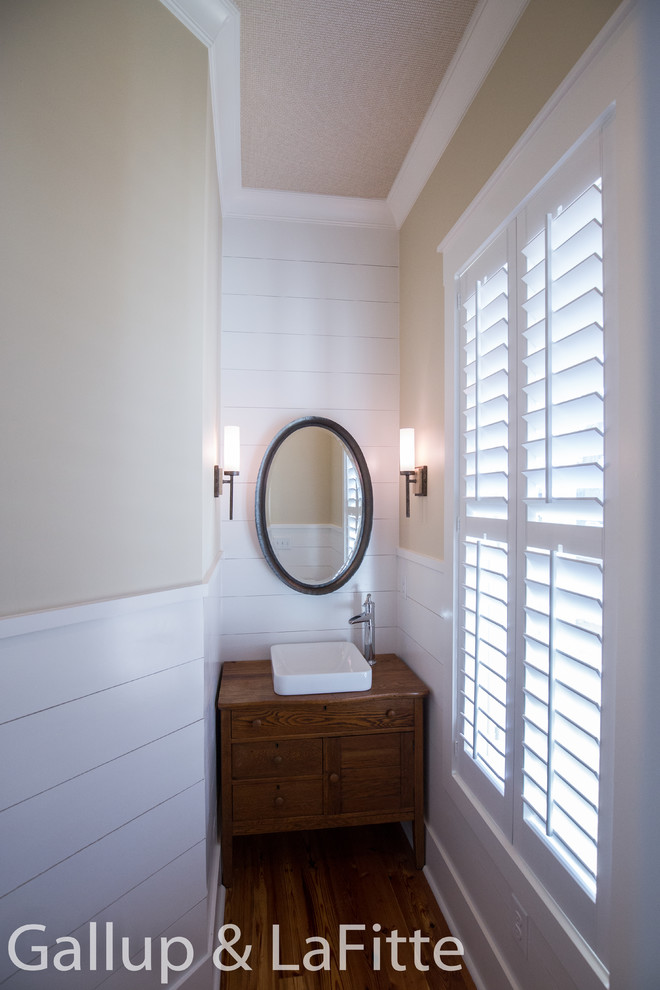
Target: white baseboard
(450, 880)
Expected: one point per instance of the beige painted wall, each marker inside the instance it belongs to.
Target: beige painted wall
(549, 38)
(211, 507)
(305, 480)
(105, 318)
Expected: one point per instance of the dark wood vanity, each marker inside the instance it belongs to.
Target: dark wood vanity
(317, 761)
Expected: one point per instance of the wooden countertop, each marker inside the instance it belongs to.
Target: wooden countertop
(249, 682)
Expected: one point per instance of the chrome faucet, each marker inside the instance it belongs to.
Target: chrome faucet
(367, 618)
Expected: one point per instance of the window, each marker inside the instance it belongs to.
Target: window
(531, 412)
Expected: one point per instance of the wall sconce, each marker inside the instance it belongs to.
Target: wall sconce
(414, 475)
(232, 463)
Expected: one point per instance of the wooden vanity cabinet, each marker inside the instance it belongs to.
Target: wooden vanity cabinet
(320, 760)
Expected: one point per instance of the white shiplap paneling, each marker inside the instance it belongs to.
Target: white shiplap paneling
(344, 392)
(300, 352)
(151, 899)
(56, 744)
(46, 668)
(88, 883)
(282, 239)
(310, 327)
(104, 799)
(379, 425)
(315, 317)
(303, 279)
(144, 777)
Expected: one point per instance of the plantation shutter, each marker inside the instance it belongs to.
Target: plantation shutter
(563, 462)
(484, 568)
(530, 576)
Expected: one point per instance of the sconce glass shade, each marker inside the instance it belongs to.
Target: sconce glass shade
(407, 450)
(232, 451)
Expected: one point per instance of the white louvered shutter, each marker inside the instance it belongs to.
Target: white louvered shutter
(563, 466)
(531, 483)
(484, 568)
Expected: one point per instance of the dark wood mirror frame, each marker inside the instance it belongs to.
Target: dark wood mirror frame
(351, 565)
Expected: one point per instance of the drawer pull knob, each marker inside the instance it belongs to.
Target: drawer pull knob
(277, 759)
(334, 778)
(391, 713)
(256, 723)
(279, 801)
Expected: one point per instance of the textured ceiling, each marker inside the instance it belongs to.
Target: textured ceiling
(333, 92)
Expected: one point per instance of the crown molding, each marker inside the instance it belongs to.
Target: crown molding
(486, 34)
(204, 18)
(273, 204)
(217, 25)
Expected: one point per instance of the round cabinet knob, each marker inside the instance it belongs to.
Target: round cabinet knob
(390, 713)
(279, 801)
(256, 723)
(334, 778)
(277, 759)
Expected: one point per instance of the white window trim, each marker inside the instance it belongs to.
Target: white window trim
(593, 87)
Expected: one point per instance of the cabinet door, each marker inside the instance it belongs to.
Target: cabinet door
(373, 773)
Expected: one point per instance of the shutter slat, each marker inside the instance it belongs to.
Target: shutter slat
(585, 241)
(570, 285)
(585, 343)
(577, 314)
(583, 378)
(573, 218)
(566, 511)
(583, 413)
(488, 508)
(567, 449)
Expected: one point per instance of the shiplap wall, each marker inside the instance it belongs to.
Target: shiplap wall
(107, 780)
(309, 326)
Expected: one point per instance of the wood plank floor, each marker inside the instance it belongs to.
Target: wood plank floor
(311, 883)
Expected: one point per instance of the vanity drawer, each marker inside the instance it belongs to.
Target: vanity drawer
(309, 719)
(288, 758)
(257, 800)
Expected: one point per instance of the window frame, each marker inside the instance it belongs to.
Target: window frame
(540, 865)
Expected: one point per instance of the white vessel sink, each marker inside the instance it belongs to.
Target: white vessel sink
(318, 668)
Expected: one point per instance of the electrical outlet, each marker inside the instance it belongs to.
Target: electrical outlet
(519, 924)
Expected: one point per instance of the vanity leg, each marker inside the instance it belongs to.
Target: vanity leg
(226, 830)
(418, 841)
(226, 859)
(418, 822)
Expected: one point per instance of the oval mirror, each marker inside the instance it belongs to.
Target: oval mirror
(314, 505)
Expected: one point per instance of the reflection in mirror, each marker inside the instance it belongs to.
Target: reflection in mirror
(314, 505)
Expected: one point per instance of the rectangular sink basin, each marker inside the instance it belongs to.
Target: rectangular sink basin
(318, 668)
